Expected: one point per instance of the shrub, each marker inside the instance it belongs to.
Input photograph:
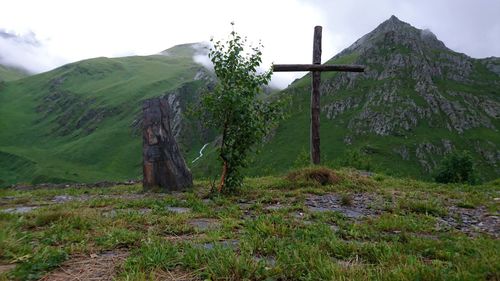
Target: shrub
(356, 159)
(236, 107)
(457, 167)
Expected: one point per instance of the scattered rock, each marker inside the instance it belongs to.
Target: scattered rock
(270, 261)
(115, 212)
(224, 243)
(19, 210)
(275, 207)
(470, 221)
(178, 210)
(203, 224)
(184, 237)
(62, 198)
(332, 202)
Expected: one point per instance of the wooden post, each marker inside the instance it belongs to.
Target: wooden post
(315, 98)
(163, 165)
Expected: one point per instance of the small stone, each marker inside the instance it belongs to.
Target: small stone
(204, 224)
(225, 244)
(274, 207)
(178, 210)
(19, 210)
(62, 198)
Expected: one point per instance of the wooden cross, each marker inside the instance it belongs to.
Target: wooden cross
(316, 68)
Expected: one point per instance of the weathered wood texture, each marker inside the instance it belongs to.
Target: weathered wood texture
(163, 165)
(315, 96)
(317, 67)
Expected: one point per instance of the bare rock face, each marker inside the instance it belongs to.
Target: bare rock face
(163, 164)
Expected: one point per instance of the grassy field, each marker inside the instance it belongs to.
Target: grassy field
(359, 226)
(75, 123)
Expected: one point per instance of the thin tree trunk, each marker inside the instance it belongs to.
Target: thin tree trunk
(224, 165)
(223, 176)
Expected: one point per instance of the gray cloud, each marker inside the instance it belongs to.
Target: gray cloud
(285, 27)
(201, 54)
(470, 27)
(26, 52)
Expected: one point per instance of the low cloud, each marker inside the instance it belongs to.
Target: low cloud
(26, 52)
(201, 55)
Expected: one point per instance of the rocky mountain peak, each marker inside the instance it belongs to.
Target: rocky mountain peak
(392, 24)
(413, 83)
(394, 31)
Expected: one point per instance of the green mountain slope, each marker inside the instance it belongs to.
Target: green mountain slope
(417, 101)
(11, 74)
(80, 122)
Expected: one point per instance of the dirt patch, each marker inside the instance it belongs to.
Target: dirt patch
(103, 266)
(6, 268)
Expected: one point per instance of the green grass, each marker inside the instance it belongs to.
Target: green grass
(402, 243)
(75, 123)
(11, 74)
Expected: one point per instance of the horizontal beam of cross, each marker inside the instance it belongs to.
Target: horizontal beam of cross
(318, 67)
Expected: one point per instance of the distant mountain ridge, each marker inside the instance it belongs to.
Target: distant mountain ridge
(81, 121)
(417, 101)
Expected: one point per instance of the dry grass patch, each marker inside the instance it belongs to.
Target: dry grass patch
(100, 267)
(314, 175)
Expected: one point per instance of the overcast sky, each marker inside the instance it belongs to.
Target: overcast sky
(51, 33)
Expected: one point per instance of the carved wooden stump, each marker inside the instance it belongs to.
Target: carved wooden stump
(163, 164)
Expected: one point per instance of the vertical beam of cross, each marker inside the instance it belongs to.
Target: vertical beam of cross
(315, 96)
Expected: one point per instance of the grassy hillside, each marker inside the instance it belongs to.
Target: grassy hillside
(416, 102)
(355, 228)
(10, 74)
(79, 122)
